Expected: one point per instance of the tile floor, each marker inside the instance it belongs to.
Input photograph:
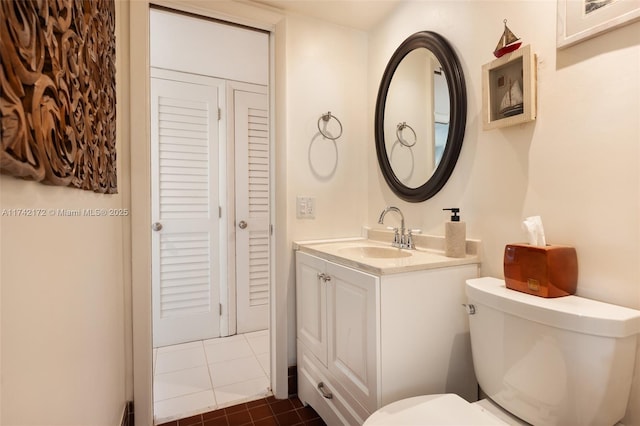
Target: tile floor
(202, 376)
(262, 412)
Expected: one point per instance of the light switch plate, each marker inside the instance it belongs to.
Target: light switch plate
(305, 207)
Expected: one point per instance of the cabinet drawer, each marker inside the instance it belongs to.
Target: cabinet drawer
(318, 388)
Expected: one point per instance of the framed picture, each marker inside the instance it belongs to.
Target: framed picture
(579, 20)
(509, 89)
(58, 93)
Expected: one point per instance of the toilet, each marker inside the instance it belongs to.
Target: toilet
(560, 361)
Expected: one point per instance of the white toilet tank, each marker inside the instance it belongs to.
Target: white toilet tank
(561, 361)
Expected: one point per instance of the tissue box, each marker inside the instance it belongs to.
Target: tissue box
(549, 271)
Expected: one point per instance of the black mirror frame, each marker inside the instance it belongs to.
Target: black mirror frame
(452, 69)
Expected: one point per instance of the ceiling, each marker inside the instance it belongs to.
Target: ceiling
(359, 14)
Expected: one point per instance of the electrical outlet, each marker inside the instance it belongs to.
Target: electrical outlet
(305, 207)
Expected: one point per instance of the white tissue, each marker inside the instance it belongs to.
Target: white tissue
(535, 232)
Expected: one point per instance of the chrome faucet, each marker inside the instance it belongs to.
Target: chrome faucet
(400, 239)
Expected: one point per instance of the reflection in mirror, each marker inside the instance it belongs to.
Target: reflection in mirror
(416, 119)
(441, 114)
(420, 116)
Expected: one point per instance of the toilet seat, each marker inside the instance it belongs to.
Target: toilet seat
(440, 409)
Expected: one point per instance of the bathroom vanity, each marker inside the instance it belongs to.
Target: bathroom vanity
(376, 324)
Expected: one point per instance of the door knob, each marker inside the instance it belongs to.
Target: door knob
(242, 224)
(157, 226)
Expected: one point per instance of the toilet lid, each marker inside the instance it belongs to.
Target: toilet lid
(444, 409)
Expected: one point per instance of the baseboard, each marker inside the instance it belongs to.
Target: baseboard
(292, 380)
(127, 415)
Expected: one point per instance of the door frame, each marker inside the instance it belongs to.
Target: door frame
(140, 169)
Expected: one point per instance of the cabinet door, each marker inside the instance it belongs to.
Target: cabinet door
(352, 323)
(311, 294)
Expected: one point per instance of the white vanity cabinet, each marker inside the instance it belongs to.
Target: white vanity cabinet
(336, 317)
(365, 340)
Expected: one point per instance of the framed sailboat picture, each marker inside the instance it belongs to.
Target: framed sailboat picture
(580, 20)
(509, 89)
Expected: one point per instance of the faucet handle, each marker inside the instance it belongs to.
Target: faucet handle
(409, 243)
(396, 234)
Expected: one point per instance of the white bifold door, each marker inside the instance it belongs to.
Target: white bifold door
(252, 193)
(210, 207)
(186, 249)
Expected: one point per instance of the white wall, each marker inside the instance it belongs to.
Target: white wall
(577, 165)
(65, 326)
(194, 45)
(326, 70)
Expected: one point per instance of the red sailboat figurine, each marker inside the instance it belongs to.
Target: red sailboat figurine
(508, 42)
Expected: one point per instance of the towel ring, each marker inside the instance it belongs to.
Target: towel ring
(400, 128)
(326, 117)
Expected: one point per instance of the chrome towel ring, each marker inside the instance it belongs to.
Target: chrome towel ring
(326, 117)
(399, 129)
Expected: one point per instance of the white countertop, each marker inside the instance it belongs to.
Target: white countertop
(341, 251)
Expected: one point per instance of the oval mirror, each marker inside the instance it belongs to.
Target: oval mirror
(420, 116)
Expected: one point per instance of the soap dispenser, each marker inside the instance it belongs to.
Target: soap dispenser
(455, 238)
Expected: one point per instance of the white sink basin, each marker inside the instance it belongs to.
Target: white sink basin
(374, 252)
(379, 257)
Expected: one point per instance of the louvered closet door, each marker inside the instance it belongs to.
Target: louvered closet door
(185, 272)
(251, 127)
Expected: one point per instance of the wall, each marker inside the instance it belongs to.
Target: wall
(64, 323)
(577, 165)
(326, 69)
(171, 32)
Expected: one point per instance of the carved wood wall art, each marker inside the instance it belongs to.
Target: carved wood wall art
(58, 96)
